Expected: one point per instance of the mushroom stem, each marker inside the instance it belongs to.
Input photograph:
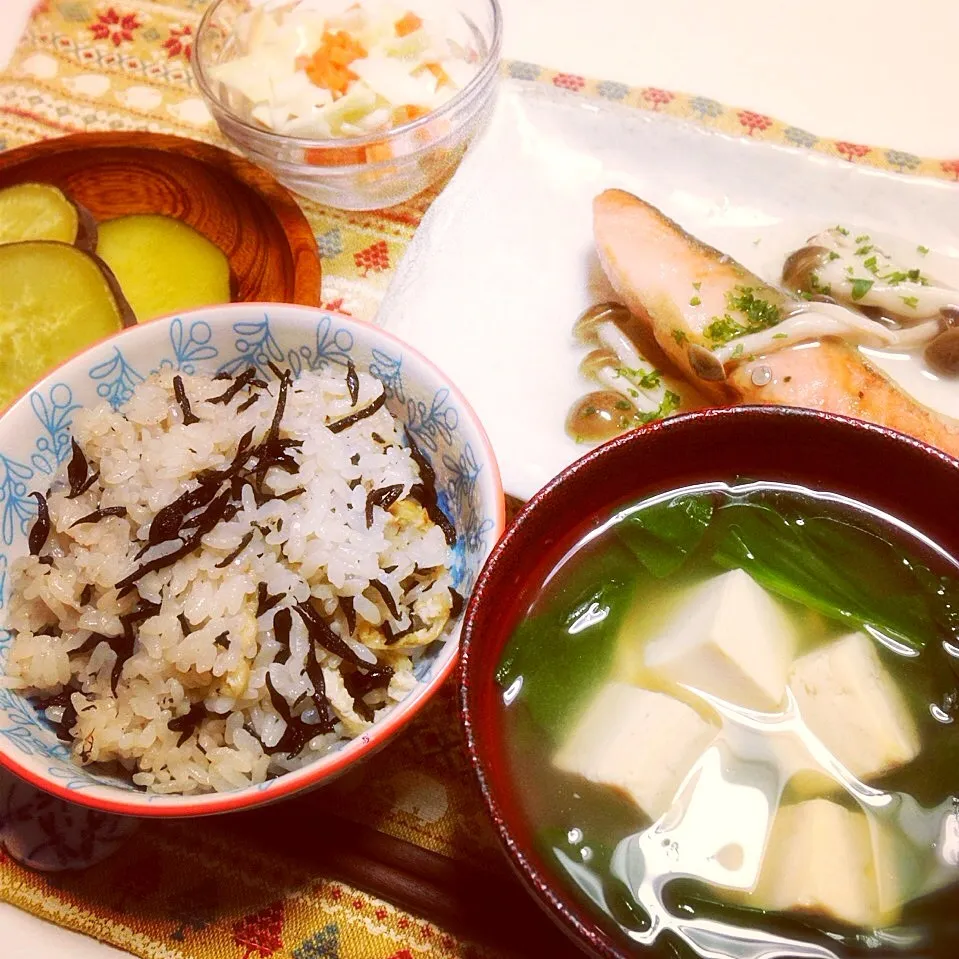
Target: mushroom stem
(826, 320)
(623, 384)
(632, 367)
(612, 337)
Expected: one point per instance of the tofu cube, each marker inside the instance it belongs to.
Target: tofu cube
(719, 821)
(730, 639)
(848, 700)
(639, 742)
(819, 859)
(898, 866)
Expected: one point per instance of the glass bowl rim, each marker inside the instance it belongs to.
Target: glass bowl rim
(477, 82)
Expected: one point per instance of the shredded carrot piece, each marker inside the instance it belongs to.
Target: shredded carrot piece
(408, 23)
(407, 113)
(378, 152)
(329, 65)
(441, 75)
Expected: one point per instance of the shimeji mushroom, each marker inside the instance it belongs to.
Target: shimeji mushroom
(857, 273)
(633, 391)
(814, 321)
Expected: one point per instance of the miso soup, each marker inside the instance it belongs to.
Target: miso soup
(731, 716)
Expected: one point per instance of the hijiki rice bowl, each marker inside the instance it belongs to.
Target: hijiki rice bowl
(234, 549)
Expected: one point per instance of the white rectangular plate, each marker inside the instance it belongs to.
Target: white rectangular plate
(503, 262)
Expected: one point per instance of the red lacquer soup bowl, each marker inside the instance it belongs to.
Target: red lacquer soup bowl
(884, 469)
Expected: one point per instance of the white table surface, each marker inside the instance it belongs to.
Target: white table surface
(871, 71)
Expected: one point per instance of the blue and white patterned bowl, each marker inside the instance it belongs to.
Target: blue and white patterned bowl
(35, 441)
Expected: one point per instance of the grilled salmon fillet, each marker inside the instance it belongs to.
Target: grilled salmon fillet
(692, 295)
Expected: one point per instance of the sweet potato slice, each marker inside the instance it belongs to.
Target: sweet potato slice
(163, 265)
(41, 211)
(54, 300)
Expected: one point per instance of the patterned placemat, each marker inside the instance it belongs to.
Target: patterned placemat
(269, 885)
(277, 886)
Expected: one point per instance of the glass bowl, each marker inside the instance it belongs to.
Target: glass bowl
(359, 172)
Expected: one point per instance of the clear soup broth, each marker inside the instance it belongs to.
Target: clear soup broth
(731, 717)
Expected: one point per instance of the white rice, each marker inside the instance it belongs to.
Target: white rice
(203, 643)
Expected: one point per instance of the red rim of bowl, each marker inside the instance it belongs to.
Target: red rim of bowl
(566, 912)
(307, 777)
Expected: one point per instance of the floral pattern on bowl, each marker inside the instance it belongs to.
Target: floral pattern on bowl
(50, 834)
(35, 440)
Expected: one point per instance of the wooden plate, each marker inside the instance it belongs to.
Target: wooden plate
(236, 205)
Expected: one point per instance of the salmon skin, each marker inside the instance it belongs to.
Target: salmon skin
(695, 298)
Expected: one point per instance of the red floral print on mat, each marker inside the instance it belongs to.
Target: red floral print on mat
(261, 933)
(754, 121)
(658, 98)
(568, 81)
(111, 26)
(373, 259)
(180, 42)
(852, 151)
(336, 306)
(951, 166)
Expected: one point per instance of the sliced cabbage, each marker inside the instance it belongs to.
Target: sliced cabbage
(391, 80)
(275, 45)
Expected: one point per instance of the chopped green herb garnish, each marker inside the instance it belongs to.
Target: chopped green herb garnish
(841, 230)
(757, 314)
(669, 405)
(645, 379)
(723, 329)
(633, 393)
(849, 271)
(738, 352)
(911, 301)
(860, 288)
(923, 249)
(871, 265)
(863, 250)
(910, 276)
(697, 286)
(679, 336)
(862, 238)
(695, 301)
(623, 405)
(779, 336)
(833, 255)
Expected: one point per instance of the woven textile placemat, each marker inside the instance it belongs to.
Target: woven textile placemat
(396, 860)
